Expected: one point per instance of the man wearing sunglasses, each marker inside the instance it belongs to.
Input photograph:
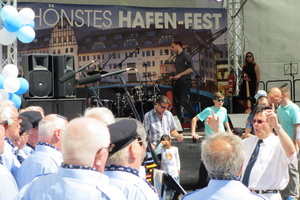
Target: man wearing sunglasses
(267, 157)
(160, 121)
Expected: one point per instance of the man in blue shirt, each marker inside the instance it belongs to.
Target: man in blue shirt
(85, 148)
(129, 137)
(223, 156)
(47, 155)
(10, 114)
(8, 185)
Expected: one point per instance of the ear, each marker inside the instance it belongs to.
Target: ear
(133, 149)
(100, 160)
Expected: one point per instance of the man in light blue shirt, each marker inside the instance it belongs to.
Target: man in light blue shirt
(129, 137)
(223, 156)
(9, 113)
(85, 148)
(47, 156)
(8, 185)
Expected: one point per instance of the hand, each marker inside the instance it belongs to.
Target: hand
(180, 137)
(177, 76)
(272, 117)
(195, 136)
(213, 122)
(171, 78)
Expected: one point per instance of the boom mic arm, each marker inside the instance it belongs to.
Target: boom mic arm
(98, 77)
(73, 74)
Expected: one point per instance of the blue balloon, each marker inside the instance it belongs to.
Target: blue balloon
(26, 34)
(1, 81)
(31, 24)
(15, 99)
(24, 86)
(12, 23)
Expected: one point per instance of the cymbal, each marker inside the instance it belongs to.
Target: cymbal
(97, 72)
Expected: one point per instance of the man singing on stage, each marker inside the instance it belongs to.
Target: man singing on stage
(182, 80)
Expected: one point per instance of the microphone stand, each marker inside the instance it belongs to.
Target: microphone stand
(94, 92)
(127, 95)
(198, 80)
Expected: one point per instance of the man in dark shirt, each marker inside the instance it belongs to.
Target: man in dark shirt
(182, 80)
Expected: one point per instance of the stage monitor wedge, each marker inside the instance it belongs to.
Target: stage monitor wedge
(38, 71)
(64, 64)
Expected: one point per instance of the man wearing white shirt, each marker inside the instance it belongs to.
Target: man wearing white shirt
(269, 173)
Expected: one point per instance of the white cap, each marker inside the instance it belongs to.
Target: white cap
(260, 93)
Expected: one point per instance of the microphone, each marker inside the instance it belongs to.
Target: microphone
(98, 77)
(73, 74)
(138, 50)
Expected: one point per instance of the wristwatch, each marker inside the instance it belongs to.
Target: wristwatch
(279, 127)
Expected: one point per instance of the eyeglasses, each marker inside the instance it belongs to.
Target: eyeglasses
(109, 148)
(258, 121)
(3, 122)
(219, 100)
(163, 107)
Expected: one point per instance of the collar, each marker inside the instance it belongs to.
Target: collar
(29, 145)
(122, 169)
(9, 142)
(70, 166)
(48, 145)
(236, 178)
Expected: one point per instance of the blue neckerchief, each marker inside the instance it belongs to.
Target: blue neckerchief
(128, 170)
(30, 146)
(48, 145)
(236, 178)
(70, 166)
(1, 161)
(14, 147)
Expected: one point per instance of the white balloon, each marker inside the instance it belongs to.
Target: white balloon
(7, 38)
(11, 84)
(7, 11)
(4, 95)
(26, 15)
(10, 70)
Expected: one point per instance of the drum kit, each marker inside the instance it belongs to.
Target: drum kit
(142, 96)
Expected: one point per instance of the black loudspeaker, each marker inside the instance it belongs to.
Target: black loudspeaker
(63, 64)
(48, 105)
(71, 108)
(38, 71)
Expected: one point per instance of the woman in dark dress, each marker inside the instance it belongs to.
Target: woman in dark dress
(251, 73)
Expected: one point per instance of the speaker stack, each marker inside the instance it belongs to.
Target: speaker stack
(43, 71)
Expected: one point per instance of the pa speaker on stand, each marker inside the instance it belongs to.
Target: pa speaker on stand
(38, 71)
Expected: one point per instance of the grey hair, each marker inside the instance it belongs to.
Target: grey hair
(82, 139)
(49, 124)
(122, 156)
(101, 113)
(8, 111)
(223, 155)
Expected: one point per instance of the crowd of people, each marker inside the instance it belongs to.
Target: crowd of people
(96, 157)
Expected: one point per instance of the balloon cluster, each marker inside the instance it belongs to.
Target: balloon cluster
(11, 86)
(17, 25)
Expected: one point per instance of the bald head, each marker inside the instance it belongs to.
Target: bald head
(274, 96)
(222, 155)
(82, 141)
(100, 113)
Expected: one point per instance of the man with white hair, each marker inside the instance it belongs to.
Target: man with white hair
(85, 148)
(101, 113)
(8, 185)
(223, 156)
(9, 113)
(47, 156)
(129, 138)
